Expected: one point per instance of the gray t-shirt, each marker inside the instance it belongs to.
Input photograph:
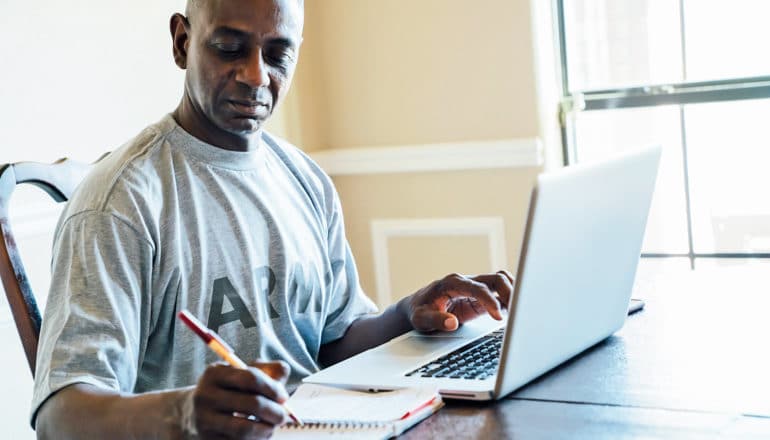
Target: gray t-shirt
(252, 243)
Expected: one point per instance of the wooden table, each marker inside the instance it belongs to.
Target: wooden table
(695, 363)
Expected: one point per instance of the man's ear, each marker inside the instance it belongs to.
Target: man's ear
(180, 38)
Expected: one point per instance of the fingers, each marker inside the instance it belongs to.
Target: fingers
(457, 287)
(223, 391)
(508, 275)
(427, 319)
(219, 425)
(277, 370)
(227, 402)
(501, 282)
(455, 299)
(251, 380)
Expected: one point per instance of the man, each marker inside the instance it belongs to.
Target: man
(206, 211)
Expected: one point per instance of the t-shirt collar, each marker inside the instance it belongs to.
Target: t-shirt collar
(213, 155)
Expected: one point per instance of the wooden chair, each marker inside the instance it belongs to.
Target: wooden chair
(59, 180)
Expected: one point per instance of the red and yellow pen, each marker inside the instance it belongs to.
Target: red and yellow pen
(220, 347)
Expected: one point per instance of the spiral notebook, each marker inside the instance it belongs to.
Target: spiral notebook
(329, 412)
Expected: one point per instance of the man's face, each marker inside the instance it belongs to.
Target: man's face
(240, 59)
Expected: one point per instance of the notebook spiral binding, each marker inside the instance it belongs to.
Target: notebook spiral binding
(341, 425)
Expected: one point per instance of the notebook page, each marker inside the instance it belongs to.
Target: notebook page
(323, 403)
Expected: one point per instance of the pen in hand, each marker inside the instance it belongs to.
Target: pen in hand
(221, 348)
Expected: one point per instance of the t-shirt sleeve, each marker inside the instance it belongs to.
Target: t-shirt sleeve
(94, 322)
(348, 301)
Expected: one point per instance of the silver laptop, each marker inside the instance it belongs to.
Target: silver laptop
(576, 270)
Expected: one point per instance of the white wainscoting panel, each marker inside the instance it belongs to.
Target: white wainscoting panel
(491, 227)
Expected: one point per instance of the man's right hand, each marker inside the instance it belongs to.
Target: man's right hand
(225, 396)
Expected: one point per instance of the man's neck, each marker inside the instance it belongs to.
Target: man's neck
(201, 127)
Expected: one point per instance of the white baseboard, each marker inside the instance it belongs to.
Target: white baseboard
(505, 153)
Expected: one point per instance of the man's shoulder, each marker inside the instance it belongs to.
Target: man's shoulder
(129, 167)
(296, 159)
(307, 173)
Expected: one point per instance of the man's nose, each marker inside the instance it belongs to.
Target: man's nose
(253, 71)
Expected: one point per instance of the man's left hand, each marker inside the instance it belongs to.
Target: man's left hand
(447, 303)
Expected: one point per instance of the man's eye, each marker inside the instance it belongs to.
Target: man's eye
(280, 59)
(228, 49)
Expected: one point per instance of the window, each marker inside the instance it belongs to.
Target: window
(694, 77)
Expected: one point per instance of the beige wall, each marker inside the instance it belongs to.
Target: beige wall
(420, 72)
(394, 72)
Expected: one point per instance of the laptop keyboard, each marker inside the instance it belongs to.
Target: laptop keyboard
(476, 360)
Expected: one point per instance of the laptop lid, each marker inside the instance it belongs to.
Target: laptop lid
(577, 266)
(578, 262)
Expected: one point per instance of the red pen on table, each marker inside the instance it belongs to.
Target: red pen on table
(419, 408)
(220, 347)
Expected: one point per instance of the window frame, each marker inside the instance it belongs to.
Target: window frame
(653, 95)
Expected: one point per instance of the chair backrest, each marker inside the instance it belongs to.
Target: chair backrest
(59, 180)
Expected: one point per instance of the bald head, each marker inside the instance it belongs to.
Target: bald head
(194, 5)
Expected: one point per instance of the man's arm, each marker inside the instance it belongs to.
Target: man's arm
(367, 332)
(442, 305)
(85, 411)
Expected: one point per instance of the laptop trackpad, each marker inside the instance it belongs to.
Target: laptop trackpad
(417, 345)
